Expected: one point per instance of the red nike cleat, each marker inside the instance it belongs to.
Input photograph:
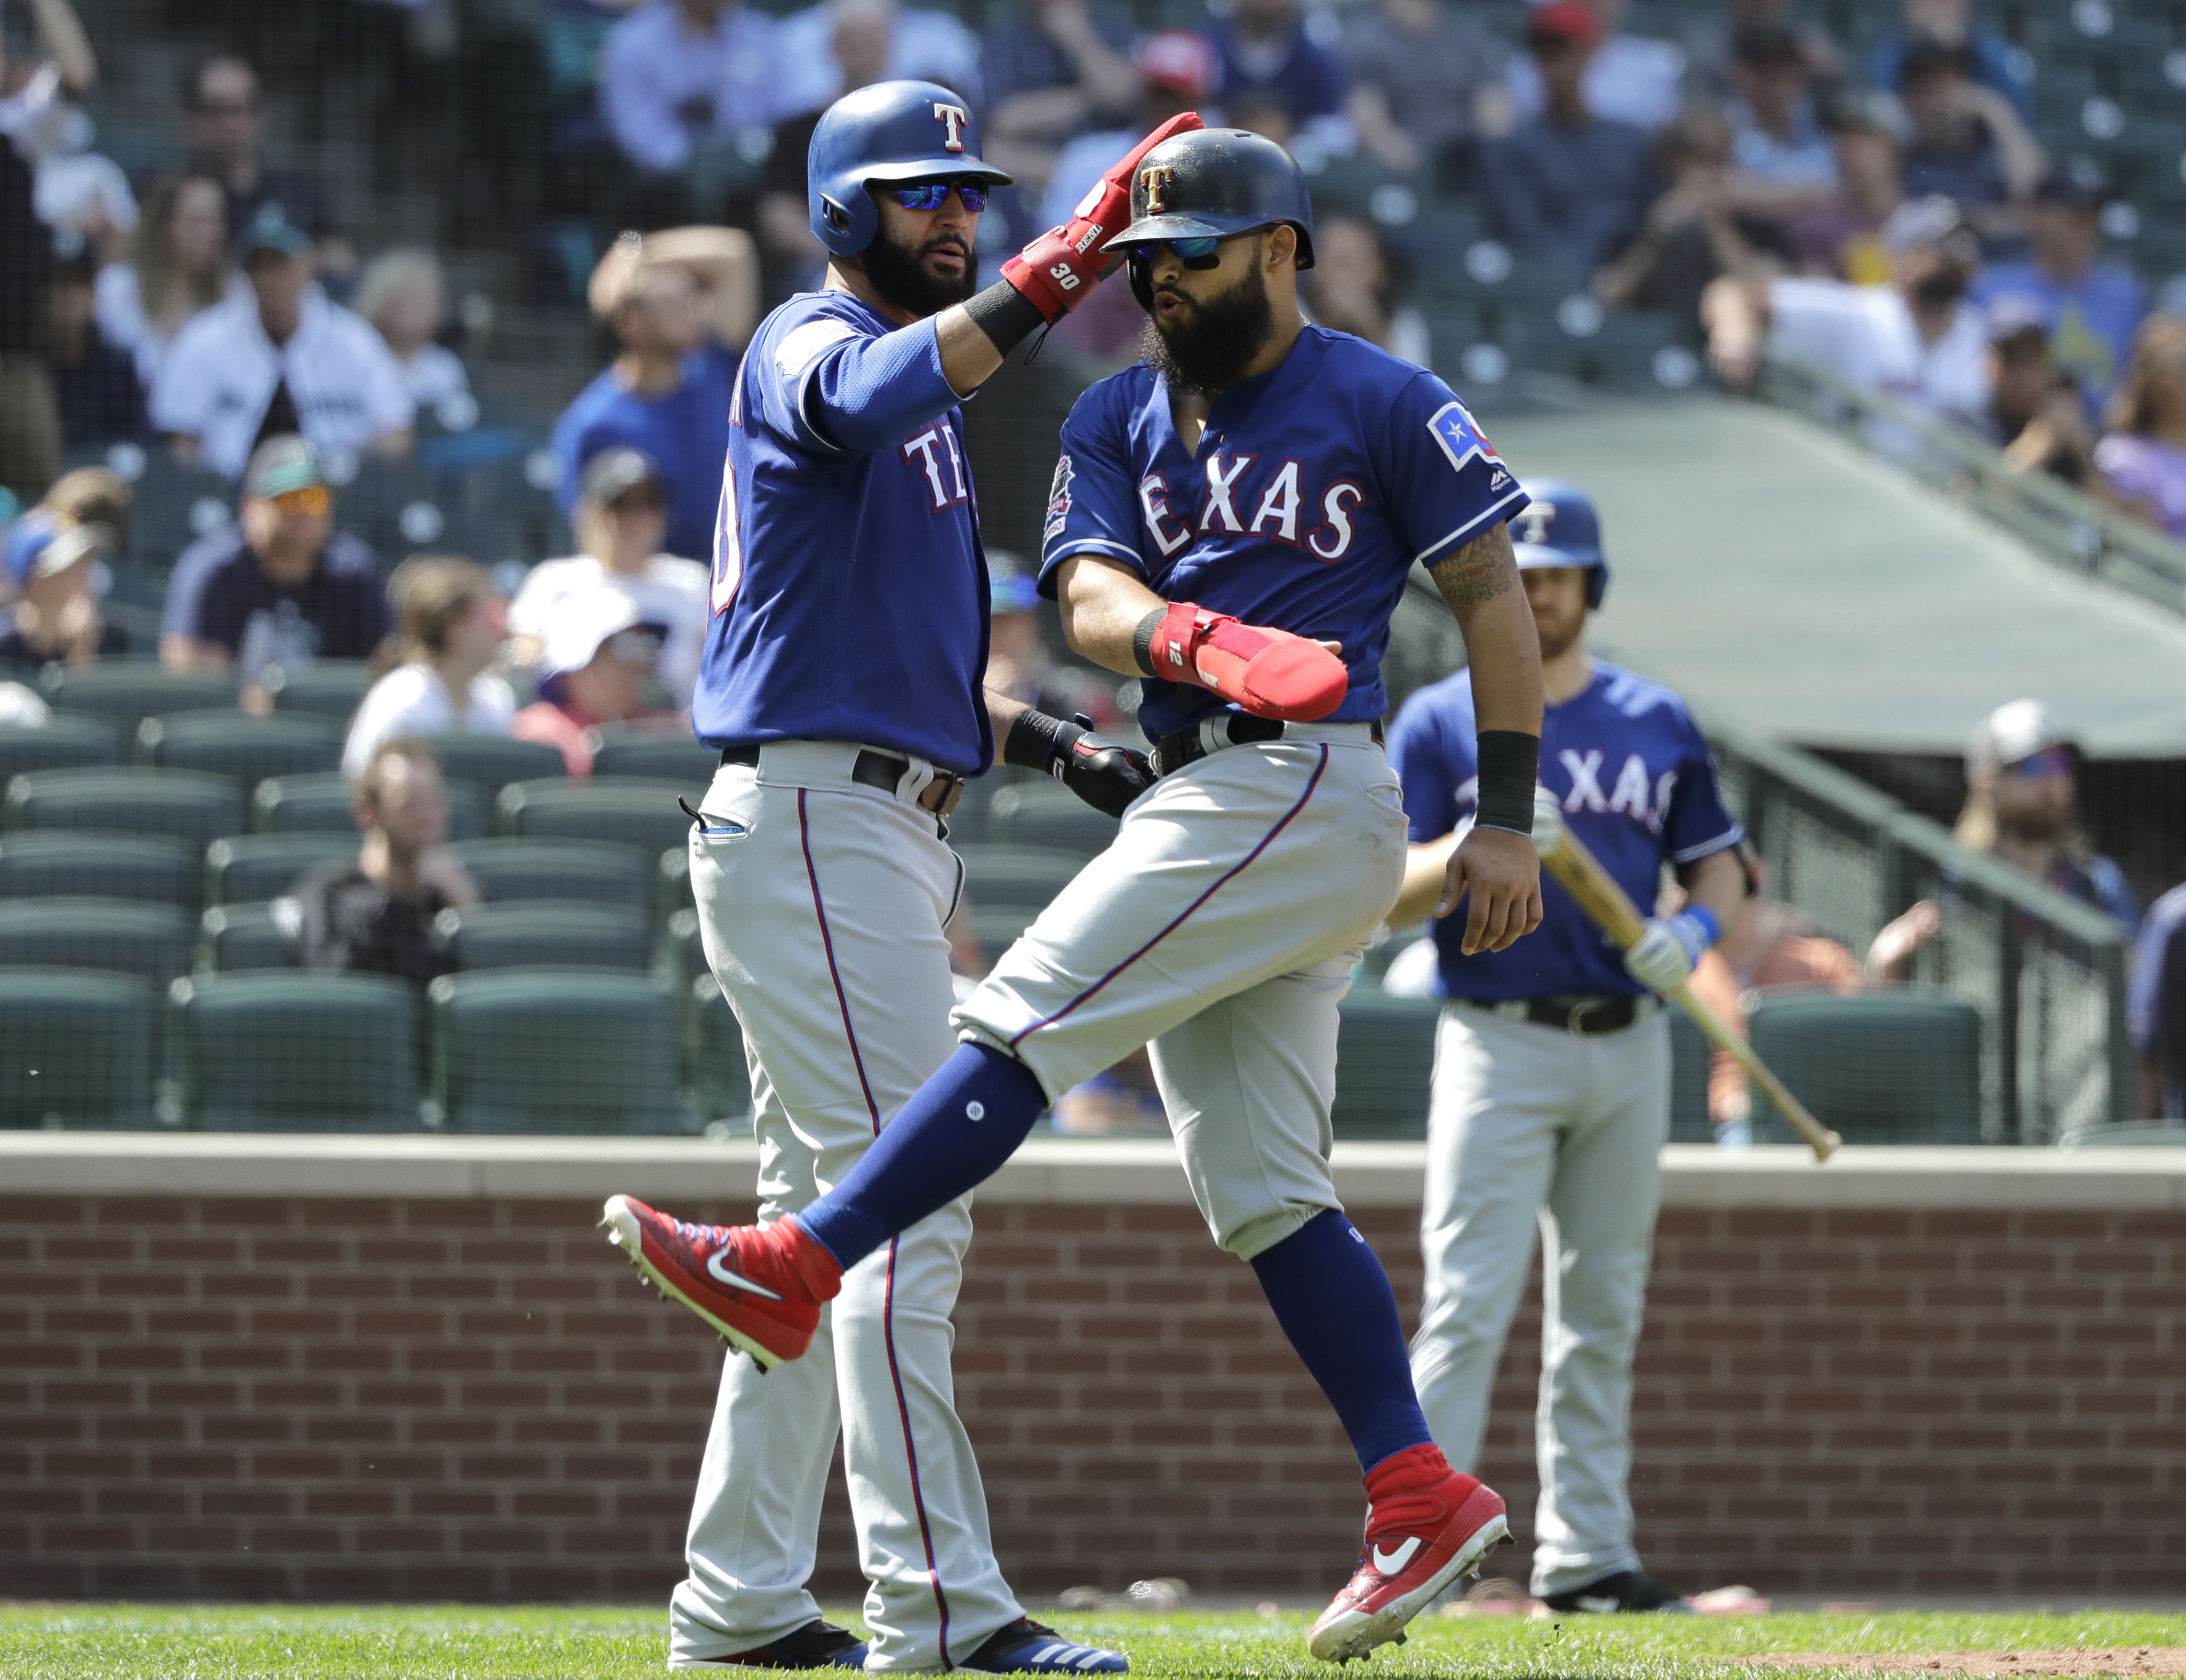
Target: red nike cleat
(761, 1286)
(1428, 1525)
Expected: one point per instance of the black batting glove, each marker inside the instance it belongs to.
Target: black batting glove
(1105, 774)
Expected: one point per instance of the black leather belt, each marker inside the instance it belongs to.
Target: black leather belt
(1172, 753)
(1585, 1017)
(883, 771)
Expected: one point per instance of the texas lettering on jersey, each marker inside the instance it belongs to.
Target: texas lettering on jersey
(1319, 521)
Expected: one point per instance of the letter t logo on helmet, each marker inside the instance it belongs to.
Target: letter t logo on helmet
(1154, 183)
(952, 118)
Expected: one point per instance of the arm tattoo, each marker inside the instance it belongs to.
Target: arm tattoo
(1478, 572)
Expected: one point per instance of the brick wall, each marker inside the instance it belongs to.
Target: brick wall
(290, 1396)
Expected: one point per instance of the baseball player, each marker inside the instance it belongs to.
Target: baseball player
(841, 682)
(1233, 521)
(1552, 1065)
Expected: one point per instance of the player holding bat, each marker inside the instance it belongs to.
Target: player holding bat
(1552, 1065)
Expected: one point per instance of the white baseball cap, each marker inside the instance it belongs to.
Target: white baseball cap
(2017, 730)
(577, 623)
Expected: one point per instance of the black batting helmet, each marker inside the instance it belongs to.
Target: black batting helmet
(1216, 181)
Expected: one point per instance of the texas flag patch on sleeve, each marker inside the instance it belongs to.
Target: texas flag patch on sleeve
(1460, 437)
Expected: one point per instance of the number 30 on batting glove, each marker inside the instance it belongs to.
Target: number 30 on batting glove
(1059, 269)
(1665, 953)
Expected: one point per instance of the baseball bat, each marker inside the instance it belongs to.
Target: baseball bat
(1607, 906)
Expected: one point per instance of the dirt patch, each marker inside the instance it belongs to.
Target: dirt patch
(2135, 1662)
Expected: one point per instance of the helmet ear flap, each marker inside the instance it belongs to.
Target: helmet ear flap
(1141, 273)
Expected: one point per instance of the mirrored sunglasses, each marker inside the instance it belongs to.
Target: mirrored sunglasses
(926, 195)
(2050, 761)
(313, 500)
(1196, 252)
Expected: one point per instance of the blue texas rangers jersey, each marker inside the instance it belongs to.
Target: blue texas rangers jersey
(1639, 788)
(1315, 487)
(849, 590)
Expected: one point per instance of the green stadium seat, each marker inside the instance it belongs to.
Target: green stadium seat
(654, 757)
(247, 869)
(1384, 1065)
(542, 934)
(507, 870)
(325, 688)
(296, 1051)
(556, 1050)
(118, 936)
(1047, 814)
(1893, 1066)
(714, 1067)
(234, 743)
(65, 740)
(129, 691)
(1689, 1061)
(75, 1049)
(493, 761)
(153, 870)
(623, 812)
(188, 805)
(237, 937)
(1026, 876)
(321, 804)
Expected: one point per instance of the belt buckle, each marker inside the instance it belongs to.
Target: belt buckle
(940, 795)
(1579, 1011)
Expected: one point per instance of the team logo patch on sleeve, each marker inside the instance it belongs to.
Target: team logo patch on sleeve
(1058, 500)
(1460, 437)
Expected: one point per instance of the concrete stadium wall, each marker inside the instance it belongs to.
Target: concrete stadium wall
(409, 1368)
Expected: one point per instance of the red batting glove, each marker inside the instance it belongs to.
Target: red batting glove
(1059, 269)
(1270, 673)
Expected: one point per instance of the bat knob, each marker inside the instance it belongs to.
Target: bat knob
(1548, 822)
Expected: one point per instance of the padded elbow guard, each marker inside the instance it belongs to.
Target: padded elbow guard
(1270, 673)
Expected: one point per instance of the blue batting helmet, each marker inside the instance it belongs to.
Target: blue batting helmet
(1559, 528)
(892, 131)
(1213, 181)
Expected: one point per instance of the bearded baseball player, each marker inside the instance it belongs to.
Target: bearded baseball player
(1233, 521)
(842, 684)
(1552, 1064)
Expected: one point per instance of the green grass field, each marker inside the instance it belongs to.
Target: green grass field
(137, 1642)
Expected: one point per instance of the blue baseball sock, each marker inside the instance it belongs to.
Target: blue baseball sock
(1334, 1302)
(962, 1124)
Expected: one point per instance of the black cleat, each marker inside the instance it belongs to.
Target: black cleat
(1627, 1590)
(817, 1644)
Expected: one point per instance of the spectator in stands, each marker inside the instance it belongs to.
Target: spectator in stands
(29, 422)
(1426, 87)
(2142, 461)
(279, 587)
(681, 304)
(796, 260)
(1968, 142)
(1267, 47)
(2022, 809)
(622, 511)
(1996, 65)
(1353, 287)
(451, 624)
(1841, 239)
(1059, 69)
(93, 496)
(83, 198)
(1628, 78)
(2035, 415)
(1915, 339)
(1692, 233)
(925, 46)
(95, 382)
(404, 295)
(286, 358)
(375, 916)
(598, 657)
(2090, 309)
(680, 78)
(53, 565)
(1569, 186)
(1709, 39)
(181, 270)
(1776, 141)
(2155, 1008)
(226, 133)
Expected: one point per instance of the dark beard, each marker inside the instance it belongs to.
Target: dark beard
(902, 278)
(1208, 351)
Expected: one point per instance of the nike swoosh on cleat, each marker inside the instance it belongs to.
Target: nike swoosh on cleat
(721, 1274)
(1388, 1563)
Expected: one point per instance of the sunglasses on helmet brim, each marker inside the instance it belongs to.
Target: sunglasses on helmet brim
(930, 195)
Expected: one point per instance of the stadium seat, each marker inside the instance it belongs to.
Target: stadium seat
(152, 870)
(246, 869)
(1047, 814)
(188, 805)
(235, 938)
(1690, 1061)
(623, 812)
(325, 688)
(714, 1067)
(321, 804)
(117, 936)
(296, 1052)
(676, 757)
(234, 743)
(493, 761)
(65, 740)
(75, 1049)
(129, 691)
(1017, 874)
(507, 870)
(1892, 1067)
(556, 1050)
(542, 934)
(1384, 1065)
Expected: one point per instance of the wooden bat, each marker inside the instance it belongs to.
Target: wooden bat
(1606, 906)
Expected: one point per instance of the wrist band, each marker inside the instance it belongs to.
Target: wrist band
(1143, 640)
(1030, 744)
(1509, 761)
(1006, 316)
(1703, 918)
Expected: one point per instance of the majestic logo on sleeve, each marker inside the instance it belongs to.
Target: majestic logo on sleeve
(1460, 437)
(1058, 500)
(1535, 521)
(1154, 183)
(952, 119)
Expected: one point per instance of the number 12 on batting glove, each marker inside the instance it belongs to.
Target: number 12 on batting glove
(1667, 952)
(1059, 269)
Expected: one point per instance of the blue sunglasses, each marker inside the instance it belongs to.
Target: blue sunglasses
(1196, 252)
(926, 195)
